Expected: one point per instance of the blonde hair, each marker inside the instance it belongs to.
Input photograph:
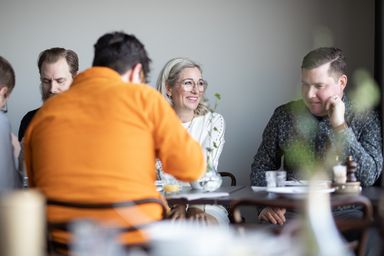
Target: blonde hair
(170, 74)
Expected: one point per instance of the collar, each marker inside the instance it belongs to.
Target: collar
(101, 72)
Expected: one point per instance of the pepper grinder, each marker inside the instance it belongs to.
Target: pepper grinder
(351, 170)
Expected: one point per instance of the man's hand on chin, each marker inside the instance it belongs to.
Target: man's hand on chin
(336, 110)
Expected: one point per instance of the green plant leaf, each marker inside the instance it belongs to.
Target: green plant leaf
(217, 96)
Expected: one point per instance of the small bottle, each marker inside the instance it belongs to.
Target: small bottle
(351, 170)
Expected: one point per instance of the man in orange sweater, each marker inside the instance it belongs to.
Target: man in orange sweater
(98, 141)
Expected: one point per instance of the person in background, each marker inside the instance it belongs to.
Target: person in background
(98, 141)
(323, 123)
(8, 154)
(182, 84)
(57, 68)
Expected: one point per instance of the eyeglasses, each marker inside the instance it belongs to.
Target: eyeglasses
(189, 84)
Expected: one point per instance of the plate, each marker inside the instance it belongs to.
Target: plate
(297, 183)
(193, 195)
(298, 190)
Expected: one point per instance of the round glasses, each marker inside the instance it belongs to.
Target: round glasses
(189, 84)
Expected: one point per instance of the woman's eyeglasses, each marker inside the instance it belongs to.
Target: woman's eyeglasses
(189, 84)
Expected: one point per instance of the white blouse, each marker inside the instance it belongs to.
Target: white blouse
(200, 128)
(208, 130)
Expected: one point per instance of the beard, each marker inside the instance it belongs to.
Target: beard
(45, 94)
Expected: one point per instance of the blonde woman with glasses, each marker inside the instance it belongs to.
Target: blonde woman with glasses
(182, 84)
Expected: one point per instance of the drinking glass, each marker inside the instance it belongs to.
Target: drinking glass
(281, 178)
(211, 181)
(270, 177)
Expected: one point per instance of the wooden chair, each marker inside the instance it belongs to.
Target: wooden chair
(362, 225)
(230, 176)
(344, 225)
(59, 248)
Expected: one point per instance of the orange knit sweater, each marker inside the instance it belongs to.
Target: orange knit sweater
(98, 141)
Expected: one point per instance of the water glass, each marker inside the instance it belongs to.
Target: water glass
(340, 174)
(211, 181)
(270, 177)
(281, 178)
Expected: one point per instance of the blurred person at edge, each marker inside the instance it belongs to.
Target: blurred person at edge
(182, 84)
(98, 141)
(9, 145)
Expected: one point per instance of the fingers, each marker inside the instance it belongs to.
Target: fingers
(200, 218)
(331, 103)
(266, 215)
(269, 216)
(336, 110)
(281, 213)
(177, 216)
(276, 217)
(177, 212)
(273, 215)
(196, 215)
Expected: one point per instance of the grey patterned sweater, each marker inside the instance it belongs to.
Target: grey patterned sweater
(298, 139)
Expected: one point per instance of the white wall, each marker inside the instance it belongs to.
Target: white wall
(250, 49)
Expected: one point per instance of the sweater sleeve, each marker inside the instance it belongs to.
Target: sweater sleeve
(268, 156)
(365, 146)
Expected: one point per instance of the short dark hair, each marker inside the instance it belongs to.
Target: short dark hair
(54, 54)
(7, 75)
(320, 56)
(120, 52)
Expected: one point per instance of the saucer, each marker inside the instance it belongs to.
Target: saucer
(298, 190)
(347, 188)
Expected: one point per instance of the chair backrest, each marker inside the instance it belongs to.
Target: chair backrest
(229, 175)
(62, 248)
(360, 225)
